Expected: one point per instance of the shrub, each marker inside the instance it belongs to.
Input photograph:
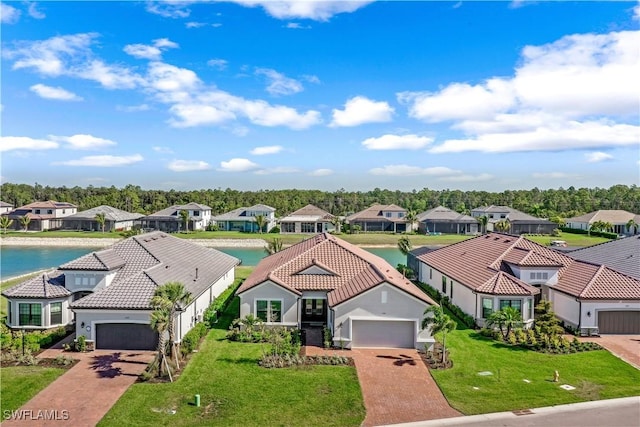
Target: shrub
(275, 229)
(192, 338)
(444, 301)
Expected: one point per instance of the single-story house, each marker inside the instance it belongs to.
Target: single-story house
(444, 220)
(622, 255)
(519, 222)
(622, 221)
(309, 219)
(169, 220)
(492, 271)
(324, 281)
(107, 293)
(5, 207)
(244, 219)
(115, 219)
(42, 216)
(389, 218)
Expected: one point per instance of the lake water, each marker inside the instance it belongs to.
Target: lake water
(15, 261)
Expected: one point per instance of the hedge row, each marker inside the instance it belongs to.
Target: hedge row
(220, 304)
(444, 301)
(604, 234)
(192, 338)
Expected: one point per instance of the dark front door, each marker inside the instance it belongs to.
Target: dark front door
(314, 311)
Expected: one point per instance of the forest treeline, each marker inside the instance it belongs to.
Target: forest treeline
(561, 202)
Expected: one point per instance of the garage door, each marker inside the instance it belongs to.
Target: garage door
(125, 336)
(382, 334)
(619, 322)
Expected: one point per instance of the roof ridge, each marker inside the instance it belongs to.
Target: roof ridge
(499, 259)
(592, 281)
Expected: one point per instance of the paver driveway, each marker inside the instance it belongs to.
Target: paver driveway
(396, 386)
(626, 347)
(86, 392)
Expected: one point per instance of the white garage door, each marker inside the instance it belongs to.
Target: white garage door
(382, 334)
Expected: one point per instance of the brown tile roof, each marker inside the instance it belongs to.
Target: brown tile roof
(48, 285)
(505, 284)
(375, 213)
(475, 263)
(443, 214)
(355, 270)
(309, 210)
(49, 204)
(613, 216)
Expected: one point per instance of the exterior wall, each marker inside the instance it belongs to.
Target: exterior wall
(566, 307)
(524, 274)
(5, 209)
(370, 306)
(320, 226)
(67, 315)
(270, 290)
(447, 227)
(578, 225)
(86, 320)
(596, 306)
(527, 304)
(518, 227)
(100, 280)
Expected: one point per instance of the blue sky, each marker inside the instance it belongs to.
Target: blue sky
(256, 95)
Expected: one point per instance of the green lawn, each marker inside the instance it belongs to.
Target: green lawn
(596, 375)
(571, 239)
(235, 391)
(20, 383)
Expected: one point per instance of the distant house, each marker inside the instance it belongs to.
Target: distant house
(5, 207)
(619, 219)
(622, 255)
(324, 281)
(107, 293)
(116, 219)
(244, 219)
(444, 220)
(43, 216)
(169, 220)
(389, 218)
(520, 222)
(309, 219)
(493, 271)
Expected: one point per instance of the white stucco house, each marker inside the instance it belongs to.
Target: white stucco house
(324, 281)
(5, 207)
(244, 219)
(170, 220)
(107, 293)
(492, 271)
(623, 222)
(115, 219)
(309, 220)
(45, 215)
(387, 218)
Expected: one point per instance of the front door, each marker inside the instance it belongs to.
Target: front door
(314, 311)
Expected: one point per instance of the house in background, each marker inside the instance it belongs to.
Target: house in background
(309, 219)
(5, 207)
(520, 222)
(444, 220)
(387, 218)
(622, 255)
(619, 219)
(109, 291)
(116, 219)
(493, 271)
(324, 281)
(244, 219)
(43, 216)
(169, 220)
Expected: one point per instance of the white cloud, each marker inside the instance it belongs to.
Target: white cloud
(277, 170)
(169, 8)
(321, 172)
(110, 76)
(466, 178)
(162, 150)
(554, 175)
(9, 143)
(8, 14)
(406, 170)
(318, 10)
(238, 165)
(194, 24)
(83, 142)
(191, 115)
(58, 93)
(270, 149)
(297, 26)
(165, 43)
(34, 12)
(218, 63)
(397, 142)
(359, 110)
(278, 83)
(188, 165)
(151, 52)
(133, 108)
(105, 161)
(311, 78)
(169, 78)
(597, 156)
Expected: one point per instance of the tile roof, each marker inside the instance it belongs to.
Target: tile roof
(475, 263)
(48, 285)
(441, 213)
(513, 215)
(309, 213)
(5, 204)
(375, 213)
(355, 270)
(173, 212)
(612, 216)
(110, 213)
(504, 284)
(105, 260)
(622, 255)
(49, 204)
(240, 214)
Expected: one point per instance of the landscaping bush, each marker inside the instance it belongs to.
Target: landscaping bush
(275, 229)
(248, 329)
(192, 338)
(220, 304)
(605, 234)
(285, 361)
(444, 301)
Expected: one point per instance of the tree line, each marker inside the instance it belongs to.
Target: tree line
(561, 202)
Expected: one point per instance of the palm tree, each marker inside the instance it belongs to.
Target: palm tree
(274, 245)
(632, 226)
(184, 214)
(171, 296)
(160, 320)
(439, 322)
(506, 319)
(337, 223)
(5, 222)
(24, 222)
(261, 221)
(405, 246)
(411, 218)
(503, 225)
(101, 219)
(483, 220)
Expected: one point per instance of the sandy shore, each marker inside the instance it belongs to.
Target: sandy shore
(104, 242)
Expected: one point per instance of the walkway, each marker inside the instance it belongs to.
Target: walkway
(396, 386)
(626, 347)
(84, 394)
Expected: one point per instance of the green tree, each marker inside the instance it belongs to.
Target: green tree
(483, 221)
(503, 225)
(546, 321)
(5, 223)
(173, 297)
(440, 323)
(261, 221)
(24, 222)
(632, 226)
(159, 321)
(405, 246)
(337, 223)
(506, 319)
(274, 245)
(101, 219)
(184, 215)
(411, 218)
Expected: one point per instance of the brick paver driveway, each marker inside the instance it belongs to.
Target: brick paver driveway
(626, 347)
(87, 391)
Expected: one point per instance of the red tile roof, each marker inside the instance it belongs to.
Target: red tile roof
(354, 270)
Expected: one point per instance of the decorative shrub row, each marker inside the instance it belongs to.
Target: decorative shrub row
(288, 360)
(220, 304)
(444, 301)
(605, 234)
(192, 338)
(533, 339)
(33, 340)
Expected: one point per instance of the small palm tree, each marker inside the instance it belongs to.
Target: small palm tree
(24, 222)
(171, 296)
(184, 214)
(274, 245)
(405, 246)
(261, 221)
(506, 319)
(101, 219)
(503, 225)
(439, 322)
(5, 222)
(337, 223)
(632, 226)
(483, 220)
(160, 320)
(411, 218)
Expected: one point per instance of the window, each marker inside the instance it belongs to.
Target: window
(539, 275)
(487, 307)
(288, 227)
(515, 303)
(78, 280)
(387, 214)
(64, 211)
(503, 216)
(451, 286)
(269, 310)
(56, 313)
(401, 215)
(308, 227)
(30, 314)
(431, 274)
(444, 285)
(10, 313)
(196, 213)
(49, 211)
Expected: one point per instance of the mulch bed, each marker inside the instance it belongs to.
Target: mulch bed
(44, 362)
(433, 358)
